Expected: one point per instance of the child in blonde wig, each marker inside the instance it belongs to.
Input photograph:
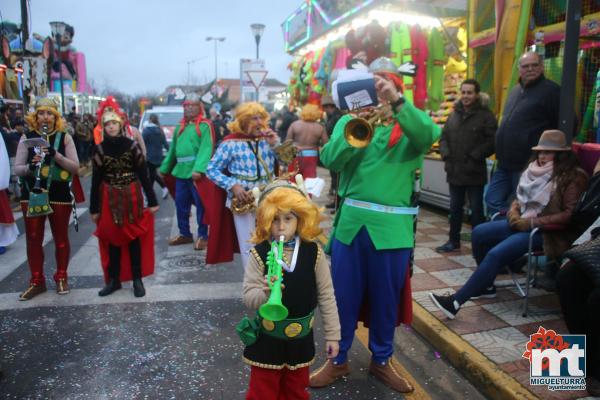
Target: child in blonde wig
(284, 350)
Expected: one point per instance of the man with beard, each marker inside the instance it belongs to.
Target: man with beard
(244, 160)
(532, 107)
(187, 160)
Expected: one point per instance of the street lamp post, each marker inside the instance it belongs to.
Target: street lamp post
(58, 29)
(257, 31)
(189, 63)
(215, 39)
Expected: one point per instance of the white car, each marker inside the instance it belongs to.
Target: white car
(168, 117)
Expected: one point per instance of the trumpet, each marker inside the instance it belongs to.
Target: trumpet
(359, 130)
(37, 187)
(273, 309)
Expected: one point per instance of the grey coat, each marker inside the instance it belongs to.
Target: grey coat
(467, 140)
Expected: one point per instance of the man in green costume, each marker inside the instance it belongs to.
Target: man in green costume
(373, 235)
(187, 160)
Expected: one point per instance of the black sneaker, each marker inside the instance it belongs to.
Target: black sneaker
(448, 247)
(488, 293)
(446, 304)
(330, 205)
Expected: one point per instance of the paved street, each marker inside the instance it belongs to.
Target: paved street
(178, 342)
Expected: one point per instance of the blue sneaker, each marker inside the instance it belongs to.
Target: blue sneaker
(2, 249)
(488, 293)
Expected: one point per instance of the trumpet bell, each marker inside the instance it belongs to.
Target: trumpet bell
(358, 132)
(273, 311)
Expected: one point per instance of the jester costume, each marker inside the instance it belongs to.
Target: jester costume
(373, 236)
(55, 172)
(190, 152)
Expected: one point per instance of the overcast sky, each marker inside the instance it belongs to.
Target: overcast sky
(139, 46)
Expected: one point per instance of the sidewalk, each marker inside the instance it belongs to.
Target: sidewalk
(487, 339)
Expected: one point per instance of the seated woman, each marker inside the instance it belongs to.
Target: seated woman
(548, 191)
(578, 287)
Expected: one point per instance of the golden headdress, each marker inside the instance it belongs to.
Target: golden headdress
(111, 115)
(45, 104)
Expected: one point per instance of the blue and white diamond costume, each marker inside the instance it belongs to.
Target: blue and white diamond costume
(245, 159)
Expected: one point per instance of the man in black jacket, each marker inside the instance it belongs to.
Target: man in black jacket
(531, 108)
(467, 140)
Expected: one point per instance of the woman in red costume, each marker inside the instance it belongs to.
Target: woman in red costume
(130, 131)
(125, 230)
(55, 165)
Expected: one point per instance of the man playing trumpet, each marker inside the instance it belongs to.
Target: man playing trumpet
(244, 160)
(54, 164)
(373, 237)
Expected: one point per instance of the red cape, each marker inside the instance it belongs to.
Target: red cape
(147, 252)
(142, 229)
(222, 240)
(405, 311)
(6, 214)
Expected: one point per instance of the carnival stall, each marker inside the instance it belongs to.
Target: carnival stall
(325, 36)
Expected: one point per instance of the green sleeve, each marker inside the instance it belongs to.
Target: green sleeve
(205, 150)
(337, 152)
(418, 127)
(170, 160)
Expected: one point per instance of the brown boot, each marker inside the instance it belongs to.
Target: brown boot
(177, 240)
(328, 373)
(200, 244)
(32, 291)
(389, 375)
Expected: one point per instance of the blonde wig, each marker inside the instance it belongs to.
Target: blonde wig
(282, 200)
(244, 113)
(311, 113)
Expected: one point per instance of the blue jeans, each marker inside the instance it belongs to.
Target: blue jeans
(457, 202)
(185, 195)
(360, 271)
(495, 245)
(501, 188)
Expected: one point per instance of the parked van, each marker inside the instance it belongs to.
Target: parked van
(168, 116)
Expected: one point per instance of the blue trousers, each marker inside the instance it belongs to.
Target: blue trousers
(186, 195)
(359, 270)
(495, 245)
(501, 188)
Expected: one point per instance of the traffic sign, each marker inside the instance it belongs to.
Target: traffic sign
(257, 77)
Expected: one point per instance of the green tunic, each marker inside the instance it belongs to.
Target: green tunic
(189, 152)
(383, 175)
